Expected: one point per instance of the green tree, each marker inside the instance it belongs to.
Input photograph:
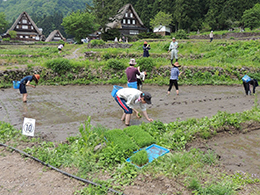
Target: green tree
(104, 10)
(3, 22)
(161, 19)
(251, 17)
(12, 34)
(79, 24)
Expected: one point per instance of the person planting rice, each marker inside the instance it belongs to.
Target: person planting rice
(127, 98)
(26, 82)
(247, 81)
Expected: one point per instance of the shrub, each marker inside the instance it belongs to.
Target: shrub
(110, 34)
(96, 42)
(59, 65)
(181, 34)
(146, 64)
(115, 64)
(147, 35)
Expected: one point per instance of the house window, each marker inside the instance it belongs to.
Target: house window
(128, 21)
(17, 26)
(131, 15)
(32, 27)
(25, 21)
(124, 21)
(126, 15)
(21, 36)
(133, 22)
(133, 32)
(24, 27)
(27, 37)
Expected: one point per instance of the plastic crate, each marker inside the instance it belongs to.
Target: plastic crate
(154, 151)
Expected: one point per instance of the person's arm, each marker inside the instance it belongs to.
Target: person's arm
(136, 113)
(147, 117)
(28, 84)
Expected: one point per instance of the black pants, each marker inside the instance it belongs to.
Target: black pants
(175, 83)
(253, 82)
(139, 82)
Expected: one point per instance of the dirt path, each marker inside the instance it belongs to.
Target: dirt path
(59, 110)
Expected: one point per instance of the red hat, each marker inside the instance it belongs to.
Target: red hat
(37, 76)
(145, 42)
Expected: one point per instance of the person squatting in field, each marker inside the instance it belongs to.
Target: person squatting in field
(247, 84)
(26, 82)
(127, 98)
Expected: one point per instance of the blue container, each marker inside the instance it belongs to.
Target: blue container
(115, 89)
(246, 79)
(132, 84)
(154, 151)
(16, 84)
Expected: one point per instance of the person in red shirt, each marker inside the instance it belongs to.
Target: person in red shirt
(131, 73)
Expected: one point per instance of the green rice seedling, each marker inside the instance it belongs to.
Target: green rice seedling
(121, 140)
(140, 158)
(139, 136)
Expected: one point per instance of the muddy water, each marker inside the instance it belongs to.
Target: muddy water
(59, 111)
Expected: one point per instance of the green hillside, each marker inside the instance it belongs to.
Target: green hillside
(12, 8)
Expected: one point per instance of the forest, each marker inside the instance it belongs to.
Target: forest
(189, 15)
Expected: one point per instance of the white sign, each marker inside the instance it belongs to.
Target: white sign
(28, 126)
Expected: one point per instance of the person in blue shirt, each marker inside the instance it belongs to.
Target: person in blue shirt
(26, 82)
(175, 73)
(247, 84)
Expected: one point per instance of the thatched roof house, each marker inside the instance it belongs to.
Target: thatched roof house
(127, 21)
(55, 36)
(26, 29)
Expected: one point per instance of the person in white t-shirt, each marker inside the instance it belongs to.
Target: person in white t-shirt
(60, 47)
(140, 79)
(127, 98)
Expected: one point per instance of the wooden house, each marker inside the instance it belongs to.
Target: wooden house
(127, 21)
(162, 30)
(26, 29)
(55, 36)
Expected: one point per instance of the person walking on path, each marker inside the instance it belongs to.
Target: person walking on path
(60, 47)
(211, 36)
(131, 73)
(173, 48)
(247, 83)
(26, 82)
(175, 73)
(140, 79)
(146, 49)
(127, 98)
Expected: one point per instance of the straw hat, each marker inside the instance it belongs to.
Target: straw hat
(132, 62)
(173, 37)
(37, 76)
(177, 64)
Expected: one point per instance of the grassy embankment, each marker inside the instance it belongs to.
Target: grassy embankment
(216, 63)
